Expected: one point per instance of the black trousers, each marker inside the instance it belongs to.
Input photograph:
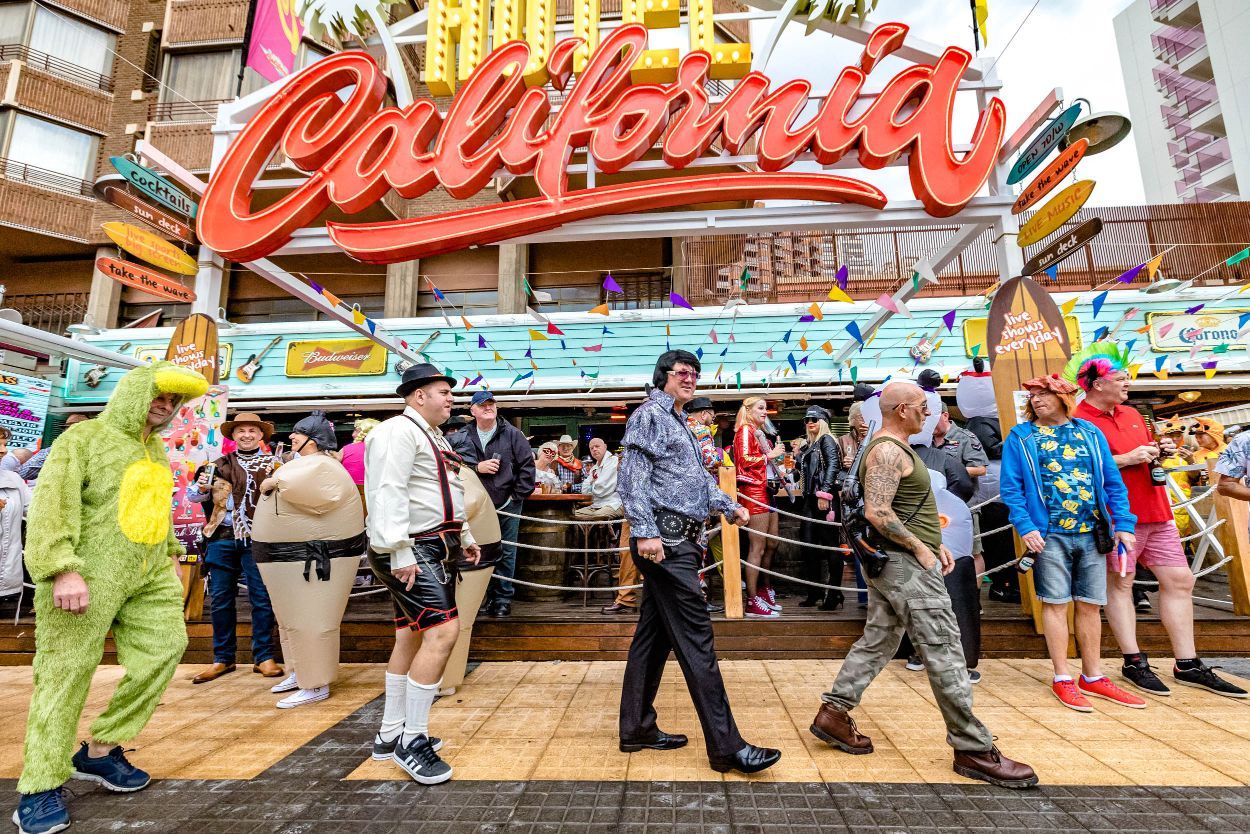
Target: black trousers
(999, 548)
(674, 618)
(964, 590)
(822, 566)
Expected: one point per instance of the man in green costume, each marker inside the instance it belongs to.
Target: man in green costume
(99, 548)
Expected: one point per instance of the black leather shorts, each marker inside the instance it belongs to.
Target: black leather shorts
(431, 601)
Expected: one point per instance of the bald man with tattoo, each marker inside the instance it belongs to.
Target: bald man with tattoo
(909, 595)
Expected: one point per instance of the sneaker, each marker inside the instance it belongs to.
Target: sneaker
(288, 685)
(304, 696)
(758, 609)
(419, 760)
(447, 692)
(1204, 677)
(384, 751)
(974, 676)
(770, 598)
(1105, 689)
(112, 770)
(41, 813)
(915, 664)
(1141, 675)
(1142, 603)
(1070, 696)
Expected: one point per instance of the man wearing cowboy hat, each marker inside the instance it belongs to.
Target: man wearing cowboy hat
(417, 531)
(229, 553)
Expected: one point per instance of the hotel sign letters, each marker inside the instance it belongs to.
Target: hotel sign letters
(330, 120)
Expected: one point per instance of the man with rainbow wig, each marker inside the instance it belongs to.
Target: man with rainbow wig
(1102, 371)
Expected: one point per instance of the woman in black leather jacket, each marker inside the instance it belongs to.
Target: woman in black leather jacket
(818, 462)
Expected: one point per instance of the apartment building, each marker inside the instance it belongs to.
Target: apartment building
(1186, 71)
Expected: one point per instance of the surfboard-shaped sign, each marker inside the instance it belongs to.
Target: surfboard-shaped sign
(1066, 246)
(194, 346)
(149, 214)
(155, 186)
(1037, 151)
(1046, 181)
(147, 280)
(1055, 213)
(149, 247)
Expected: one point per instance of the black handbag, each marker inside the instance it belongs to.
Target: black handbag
(1103, 540)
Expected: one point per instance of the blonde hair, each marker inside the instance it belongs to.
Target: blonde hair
(362, 427)
(822, 428)
(742, 419)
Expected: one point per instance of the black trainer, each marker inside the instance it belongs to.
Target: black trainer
(419, 761)
(1142, 676)
(1204, 677)
(384, 751)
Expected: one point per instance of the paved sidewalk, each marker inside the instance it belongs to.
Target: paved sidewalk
(533, 745)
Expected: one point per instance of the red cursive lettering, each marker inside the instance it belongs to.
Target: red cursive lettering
(357, 151)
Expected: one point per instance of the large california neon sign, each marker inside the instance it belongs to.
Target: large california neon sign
(357, 151)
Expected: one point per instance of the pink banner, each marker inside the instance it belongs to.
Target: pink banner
(276, 33)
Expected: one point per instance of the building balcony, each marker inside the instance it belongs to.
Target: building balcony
(1196, 65)
(1210, 119)
(111, 13)
(37, 91)
(205, 22)
(1176, 12)
(44, 201)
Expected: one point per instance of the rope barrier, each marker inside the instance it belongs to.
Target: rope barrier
(1193, 498)
(566, 549)
(578, 589)
(991, 532)
(1202, 533)
(575, 523)
(761, 533)
(780, 511)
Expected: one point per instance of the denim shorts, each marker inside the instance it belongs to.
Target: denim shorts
(1071, 568)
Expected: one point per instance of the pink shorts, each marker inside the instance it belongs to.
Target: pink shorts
(1158, 544)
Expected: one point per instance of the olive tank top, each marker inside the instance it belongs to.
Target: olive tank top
(914, 502)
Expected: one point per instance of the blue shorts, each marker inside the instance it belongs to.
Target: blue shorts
(1071, 568)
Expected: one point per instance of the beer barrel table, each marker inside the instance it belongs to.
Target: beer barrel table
(546, 566)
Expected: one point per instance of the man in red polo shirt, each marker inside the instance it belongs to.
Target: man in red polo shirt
(1101, 372)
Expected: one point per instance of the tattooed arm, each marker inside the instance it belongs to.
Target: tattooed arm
(888, 464)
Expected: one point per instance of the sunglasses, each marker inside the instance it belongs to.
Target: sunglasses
(811, 420)
(687, 376)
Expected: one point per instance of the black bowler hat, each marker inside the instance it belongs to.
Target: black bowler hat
(699, 404)
(419, 375)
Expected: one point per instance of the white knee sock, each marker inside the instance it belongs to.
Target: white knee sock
(419, 698)
(393, 712)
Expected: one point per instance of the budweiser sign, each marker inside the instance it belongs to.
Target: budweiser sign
(330, 120)
(335, 357)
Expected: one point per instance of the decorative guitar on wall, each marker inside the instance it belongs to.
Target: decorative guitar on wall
(97, 374)
(247, 371)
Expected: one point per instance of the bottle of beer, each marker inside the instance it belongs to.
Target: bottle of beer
(1157, 474)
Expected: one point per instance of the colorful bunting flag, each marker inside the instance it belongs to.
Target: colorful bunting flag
(1099, 300)
(794, 366)
(1166, 329)
(816, 312)
(1209, 369)
(358, 316)
(1052, 273)
(553, 330)
(841, 277)
(802, 343)
(609, 284)
(698, 352)
(743, 279)
(678, 301)
(838, 294)
(786, 338)
(1129, 276)
(467, 325)
(827, 347)
(1152, 266)
(1159, 362)
(712, 335)
(593, 348)
(529, 353)
(853, 329)
(601, 309)
(1242, 319)
(949, 321)
(498, 356)
(520, 377)
(1191, 310)
(334, 300)
(481, 341)
(886, 301)
(372, 325)
(806, 318)
(437, 293)
(1099, 333)
(1238, 258)
(538, 335)
(475, 380)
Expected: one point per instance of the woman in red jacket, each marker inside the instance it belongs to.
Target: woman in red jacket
(752, 453)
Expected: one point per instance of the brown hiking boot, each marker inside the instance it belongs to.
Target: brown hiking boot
(995, 768)
(837, 728)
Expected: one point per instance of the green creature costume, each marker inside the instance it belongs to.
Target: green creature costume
(102, 508)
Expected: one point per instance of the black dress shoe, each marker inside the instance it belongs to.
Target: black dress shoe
(500, 609)
(749, 759)
(662, 741)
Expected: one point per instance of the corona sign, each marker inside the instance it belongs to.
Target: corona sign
(330, 120)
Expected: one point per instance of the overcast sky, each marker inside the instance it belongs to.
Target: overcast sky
(1064, 43)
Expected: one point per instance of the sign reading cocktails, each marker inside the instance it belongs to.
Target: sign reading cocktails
(357, 150)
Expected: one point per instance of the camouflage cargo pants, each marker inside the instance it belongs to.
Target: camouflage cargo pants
(906, 597)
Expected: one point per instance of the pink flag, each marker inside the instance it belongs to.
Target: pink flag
(275, 36)
(887, 301)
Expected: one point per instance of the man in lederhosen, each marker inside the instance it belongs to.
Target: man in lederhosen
(416, 528)
(668, 496)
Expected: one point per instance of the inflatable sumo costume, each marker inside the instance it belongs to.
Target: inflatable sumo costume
(307, 538)
(472, 581)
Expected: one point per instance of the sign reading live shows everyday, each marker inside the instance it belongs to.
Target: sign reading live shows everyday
(155, 186)
(225, 353)
(150, 248)
(1175, 332)
(194, 346)
(150, 282)
(335, 357)
(23, 409)
(1026, 337)
(149, 214)
(975, 331)
(490, 127)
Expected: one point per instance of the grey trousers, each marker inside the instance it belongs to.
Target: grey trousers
(908, 598)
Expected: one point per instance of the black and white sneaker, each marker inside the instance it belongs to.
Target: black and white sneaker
(914, 664)
(1142, 676)
(384, 751)
(419, 761)
(1204, 677)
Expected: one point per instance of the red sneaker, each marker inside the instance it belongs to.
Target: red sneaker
(1070, 696)
(1104, 688)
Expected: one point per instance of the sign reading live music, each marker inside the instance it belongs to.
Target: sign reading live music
(330, 120)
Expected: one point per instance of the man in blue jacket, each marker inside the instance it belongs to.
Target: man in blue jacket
(1060, 482)
(504, 461)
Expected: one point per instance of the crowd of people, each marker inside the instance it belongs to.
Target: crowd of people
(436, 517)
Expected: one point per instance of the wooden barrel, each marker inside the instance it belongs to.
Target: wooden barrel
(545, 566)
